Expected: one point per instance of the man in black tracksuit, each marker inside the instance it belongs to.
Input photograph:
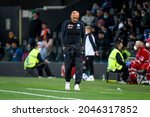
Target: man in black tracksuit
(72, 43)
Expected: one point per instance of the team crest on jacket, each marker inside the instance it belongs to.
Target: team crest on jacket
(70, 26)
(78, 26)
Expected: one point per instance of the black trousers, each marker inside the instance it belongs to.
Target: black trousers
(125, 73)
(89, 65)
(73, 57)
(44, 66)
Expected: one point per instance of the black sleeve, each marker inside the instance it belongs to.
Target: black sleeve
(92, 42)
(39, 27)
(63, 34)
(40, 58)
(83, 34)
(119, 59)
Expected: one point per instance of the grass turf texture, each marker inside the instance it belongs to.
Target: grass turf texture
(19, 88)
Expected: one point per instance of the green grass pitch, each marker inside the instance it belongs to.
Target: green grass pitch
(19, 88)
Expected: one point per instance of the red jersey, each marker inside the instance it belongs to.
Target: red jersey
(44, 33)
(142, 56)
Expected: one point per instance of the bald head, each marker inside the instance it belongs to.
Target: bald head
(74, 16)
(139, 44)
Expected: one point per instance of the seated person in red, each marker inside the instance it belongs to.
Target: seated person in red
(140, 61)
(146, 66)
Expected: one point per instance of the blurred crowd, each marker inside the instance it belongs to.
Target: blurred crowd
(108, 23)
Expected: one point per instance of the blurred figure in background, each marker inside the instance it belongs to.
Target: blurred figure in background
(88, 18)
(12, 37)
(17, 52)
(94, 9)
(46, 38)
(8, 51)
(35, 27)
(103, 46)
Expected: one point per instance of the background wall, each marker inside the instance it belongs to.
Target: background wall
(54, 17)
(16, 69)
(8, 14)
(30, 4)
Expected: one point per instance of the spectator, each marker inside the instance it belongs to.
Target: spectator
(146, 5)
(145, 22)
(8, 51)
(95, 8)
(46, 36)
(103, 46)
(16, 52)
(35, 27)
(99, 15)
(138, 7)
(109, 21)
(122, 32)
(42, 50)
(106, 5)
(87, 18)
(131, 29)
(12, 37)
(137, 21)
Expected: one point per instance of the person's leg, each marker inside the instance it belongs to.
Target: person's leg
(87, 65)
(79, 69)
(68, 66)
(47, 70)
(91, 66)
(125, 73)
(41, 66)
(133, 73)
(40, 69)
(146, 69)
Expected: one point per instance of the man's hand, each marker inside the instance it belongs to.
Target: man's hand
(46, 61)
(96, 53)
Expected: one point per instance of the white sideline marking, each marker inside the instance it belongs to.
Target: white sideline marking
(39, 95)
(35, 89)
